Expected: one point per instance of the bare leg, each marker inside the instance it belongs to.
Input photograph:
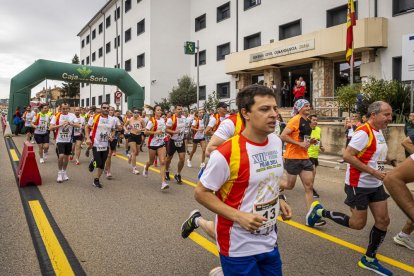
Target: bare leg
(307, 181)
(207, 226)
(161, 155)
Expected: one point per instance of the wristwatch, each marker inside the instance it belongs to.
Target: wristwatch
(281, 196)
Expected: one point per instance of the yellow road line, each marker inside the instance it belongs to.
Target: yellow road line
(14, 155)
(209, 245)
(205, 243)
(55, 252)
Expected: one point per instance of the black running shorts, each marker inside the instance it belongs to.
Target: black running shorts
(359, 198)
(135, 138)
(64, 148)
(196, 141)
(113, 144)
(42, 138)
(175, 146)
(296, 166)
(100, 157)
(314, 161)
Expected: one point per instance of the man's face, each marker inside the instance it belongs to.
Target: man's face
(222, 110)
(411, 117)
(313, 122)
(305, 110)
(178, 110)
(104, 109)
(262, 115)
(77, 111)
(45, 109)
(200, 114)
(383, 118)
(28, 109)
(64, 109)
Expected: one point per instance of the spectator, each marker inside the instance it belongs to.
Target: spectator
(298, 91)
(285, 94)
(409, 129)
(18, 121)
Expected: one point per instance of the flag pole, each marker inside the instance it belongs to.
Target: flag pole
(351, 71)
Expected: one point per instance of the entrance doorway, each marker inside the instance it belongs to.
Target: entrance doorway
(292, 74)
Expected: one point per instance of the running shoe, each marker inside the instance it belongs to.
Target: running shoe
(145, 173)
(41, 160)
(315, 194)
(59, 178)
(189, 163)
(96, 183)
(33, 141)
(65, 176)
(373, 265)
(91, 165)
(177, 178)
(77, 162)
(164, 186)
(320, 222)
(108, 174)
(404, 241)
(135, 171)
(312, 217)
(189, 224)
(167, 176)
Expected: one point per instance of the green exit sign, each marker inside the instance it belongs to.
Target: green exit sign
(189, 48)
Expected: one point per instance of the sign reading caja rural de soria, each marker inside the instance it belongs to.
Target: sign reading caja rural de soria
(283, 51)
(85, 75)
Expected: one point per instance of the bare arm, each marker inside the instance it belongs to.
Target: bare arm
(286, 138)
(350, 156)
(408, 145)
(215, 141)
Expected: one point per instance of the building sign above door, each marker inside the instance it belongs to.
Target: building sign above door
(283, 51)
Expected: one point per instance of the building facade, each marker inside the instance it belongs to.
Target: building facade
(243, 42)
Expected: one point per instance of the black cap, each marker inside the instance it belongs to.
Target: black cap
(222, 104)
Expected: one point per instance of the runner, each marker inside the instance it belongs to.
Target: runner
(366, 155)
(403, 238)
(136, 126)
(113, 143)
(102, 131)
(63, 123)
(216, 119)
(246, 203)
(127, 116)
(78, 135)
(198, 138)
(176, 127)
(296, 135)
(27, 117)
(156, 130)
(40, 124)
(313, 150)
(91, 114)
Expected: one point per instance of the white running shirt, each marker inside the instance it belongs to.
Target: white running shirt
(64, 134)
(157, 139)
(181, 124)
(105, 127)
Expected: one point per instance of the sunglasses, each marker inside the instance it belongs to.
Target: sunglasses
(104, 107)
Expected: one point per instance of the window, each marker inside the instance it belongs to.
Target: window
(223, 90)
(290, 29)
(93, 101)
(87, 101)
(128, 65)
(141, 60)
(83, 62)
(402, 6)
(117, 41)
(108, 98)
(82, 84)
(202, 92)
(139, 1)
(83, 43)
(337, 16)
(108, 47)
(100, 28)
(83, 102)
(87, 39)
(100, 52)
(93, 56)
(202, 58)
(117, 13)
(127, 5)
(99, 100)
(342, 76)
(252, 41)
(108, 21)
(128, 35)
(87, 84)
(87, 60)
(141, 27)
(200, 22)
(223, 12)
(223, 50)
(396, 68)
(251, 3)
(93, 33)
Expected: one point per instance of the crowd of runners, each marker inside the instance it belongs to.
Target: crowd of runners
(249, 160)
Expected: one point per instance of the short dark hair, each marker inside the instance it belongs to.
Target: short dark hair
(245, 98)
(312, 116)
(104, 103)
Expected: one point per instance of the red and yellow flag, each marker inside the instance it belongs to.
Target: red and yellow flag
(350, 23)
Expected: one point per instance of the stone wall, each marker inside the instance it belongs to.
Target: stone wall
(333, 139)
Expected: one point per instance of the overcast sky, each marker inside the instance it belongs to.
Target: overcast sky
(40, 29)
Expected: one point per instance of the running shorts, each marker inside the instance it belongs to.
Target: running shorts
(296, 166)
(175, 146)
(359, 198)
(100, 157)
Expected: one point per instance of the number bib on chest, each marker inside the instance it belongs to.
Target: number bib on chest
(381, 165)
(269, 210)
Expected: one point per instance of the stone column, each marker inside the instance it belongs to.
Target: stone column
(244, 80)
(274, 74)
(323, 79)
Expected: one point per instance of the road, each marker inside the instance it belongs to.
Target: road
(131, 227)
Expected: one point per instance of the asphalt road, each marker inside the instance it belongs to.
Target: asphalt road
(131, 227)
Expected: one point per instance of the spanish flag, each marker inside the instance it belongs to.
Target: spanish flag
(350, 23)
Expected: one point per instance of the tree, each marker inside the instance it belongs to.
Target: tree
(165, 104)
(71, 89)
(211, 102)
(185, 94)
(347, 96)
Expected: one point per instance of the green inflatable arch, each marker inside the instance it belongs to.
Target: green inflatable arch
(22, 83)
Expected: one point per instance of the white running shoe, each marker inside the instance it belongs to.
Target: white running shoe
(189, 163)
(164, 186)
(33, 141)
(108, 174)
(41, 161)
(65, 176)
(404, 241)
(145, 173)
(135, 171)
(60, 177)
(202, 165)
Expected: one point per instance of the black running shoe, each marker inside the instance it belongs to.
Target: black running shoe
(91, 165)
(320, 222)
(189, 224)
(177, 177)
(315, 194)
(96, 183)
(167, 176)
